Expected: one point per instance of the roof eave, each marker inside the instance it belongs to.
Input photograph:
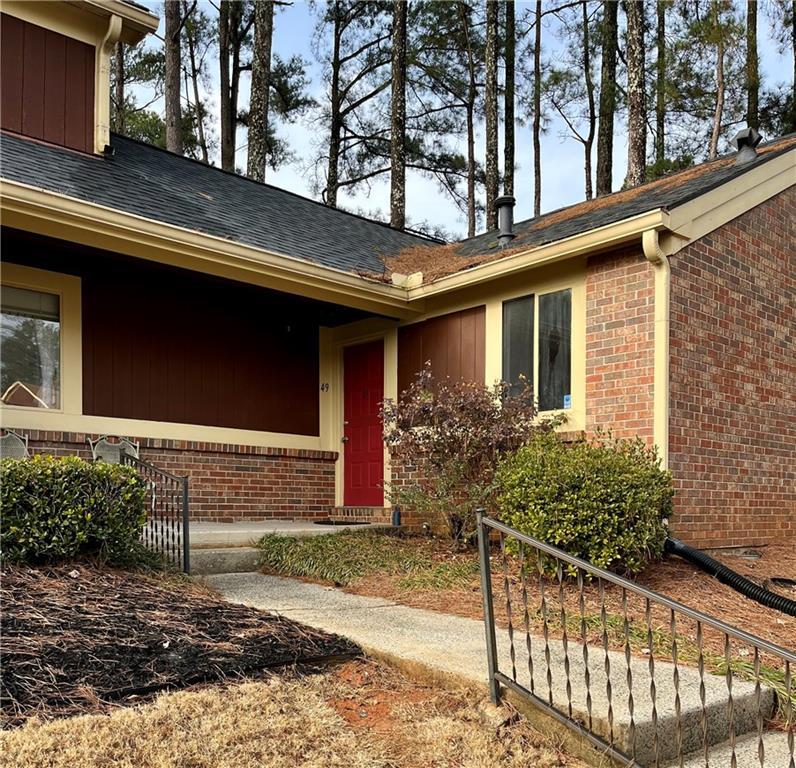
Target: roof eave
(595, 240)
(44, 212)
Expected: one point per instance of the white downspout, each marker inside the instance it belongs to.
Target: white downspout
(655, 255)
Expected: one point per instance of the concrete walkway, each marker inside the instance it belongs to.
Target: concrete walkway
(455, 647)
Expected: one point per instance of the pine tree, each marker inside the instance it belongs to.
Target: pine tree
(537, 111)
(605, 128)
(636, 95)
(398, 117)
(752, 66)
(491, 113)
(173, 13)
(198, 39)
(235, 21)
(260, 93)
(569, 87)
(660, 85)
(509, 53)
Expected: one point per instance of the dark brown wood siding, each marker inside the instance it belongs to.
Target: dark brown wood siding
(454, 344)
(166, 347)
(46, 84)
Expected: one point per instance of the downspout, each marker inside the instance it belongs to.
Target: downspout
(102, 84)
(655, 255)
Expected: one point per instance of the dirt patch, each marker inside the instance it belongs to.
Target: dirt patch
(78, 638)
(287, 721)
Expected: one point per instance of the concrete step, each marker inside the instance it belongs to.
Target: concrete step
(247, 533)
(775, 750)
(224, 560)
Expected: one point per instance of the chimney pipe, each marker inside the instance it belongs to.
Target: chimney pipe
(745, 142)
(505, 210)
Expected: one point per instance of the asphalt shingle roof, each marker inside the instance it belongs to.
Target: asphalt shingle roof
(667, 193)
(150, 182)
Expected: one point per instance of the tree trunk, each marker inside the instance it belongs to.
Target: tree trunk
(464, 16)
(637, 118)
(335, 124)
(660, 87)
(227, 121)
(537, 108)
(508, 101)
(260, 90)
(398, 117)
(605, 128)
(752, 66)
(589, 141)
(200, 118)
(172, 89)
(118, 95)
(719, 111)
(793, 46)
(491, 109)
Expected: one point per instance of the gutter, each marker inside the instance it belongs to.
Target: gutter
(595, 240)
(99, 226)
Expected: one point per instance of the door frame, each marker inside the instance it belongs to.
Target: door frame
(333, 342)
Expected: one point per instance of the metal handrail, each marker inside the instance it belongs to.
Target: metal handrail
(167, 530)
(631, 586)
(551, 656)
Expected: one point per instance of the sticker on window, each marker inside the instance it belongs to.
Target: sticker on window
(567, 401)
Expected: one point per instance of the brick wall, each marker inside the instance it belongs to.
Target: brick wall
(228, 482)
(733, 380)
(620, 307)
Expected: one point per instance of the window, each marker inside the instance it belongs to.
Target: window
(518, 342)
(30, 363)
(542, 324)
(555, 350)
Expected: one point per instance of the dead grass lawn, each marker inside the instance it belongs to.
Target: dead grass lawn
(360, 715)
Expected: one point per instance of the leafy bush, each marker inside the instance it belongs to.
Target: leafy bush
(453, 434)
(604, 501)
(62, 507)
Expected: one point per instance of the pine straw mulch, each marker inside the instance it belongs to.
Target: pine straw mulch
(78, 638)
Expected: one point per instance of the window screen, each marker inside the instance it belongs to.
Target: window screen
(555, 350)
(518, 341)
(31, 348)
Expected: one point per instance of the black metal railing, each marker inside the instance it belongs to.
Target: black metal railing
(166, 531)
(642, 678)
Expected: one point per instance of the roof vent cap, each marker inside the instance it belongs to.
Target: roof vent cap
(745, 142)
(505, 211)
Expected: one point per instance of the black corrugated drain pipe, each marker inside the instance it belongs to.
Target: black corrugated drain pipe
(729, 577)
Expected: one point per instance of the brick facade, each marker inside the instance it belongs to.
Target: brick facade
(228, 483)
(620, 307)
(732, 445)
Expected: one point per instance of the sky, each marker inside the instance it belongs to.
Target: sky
(562, 158)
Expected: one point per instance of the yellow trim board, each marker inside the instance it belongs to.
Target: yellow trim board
(38, 418)
(48, 213)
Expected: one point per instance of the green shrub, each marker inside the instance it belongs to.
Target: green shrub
(64, 507)
(604, 501)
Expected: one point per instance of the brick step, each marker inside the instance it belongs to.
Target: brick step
(381, 515)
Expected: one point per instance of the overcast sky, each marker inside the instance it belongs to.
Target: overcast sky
(562, 158)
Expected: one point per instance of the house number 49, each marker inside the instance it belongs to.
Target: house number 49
(325, 386)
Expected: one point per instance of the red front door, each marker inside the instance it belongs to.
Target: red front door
(363, 456)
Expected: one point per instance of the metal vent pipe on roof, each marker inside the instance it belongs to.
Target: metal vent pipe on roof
(505, 210)
(745, 142)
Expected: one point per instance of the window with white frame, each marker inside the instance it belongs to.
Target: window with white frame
(30, 356)
(537, 346)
